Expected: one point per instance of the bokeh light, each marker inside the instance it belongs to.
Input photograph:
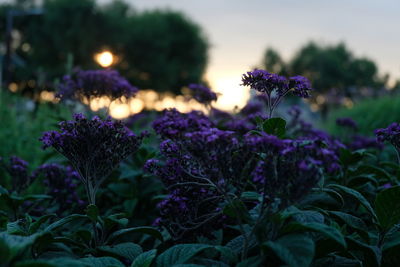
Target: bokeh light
(104, 59)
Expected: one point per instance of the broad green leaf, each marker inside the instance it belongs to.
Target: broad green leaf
(64, 262)
(102, 262)
(294, 250)
(357, 196)
(143, 229)
(74, 217)
(392, 241)
(372, 169)
(372, 253)
(275, 126)
(350, 220)
(92, 212)
(387, 205)
(35, 225)
(5, 252)
(325, 230)
(16, 244)
(145, 259)
(237, 209)
(236, 244)
(179, 254)
(227, 254)
(127, 250)
(252, 261)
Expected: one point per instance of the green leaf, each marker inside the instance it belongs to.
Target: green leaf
(16, 244)
(143, 229)
(392, 241)
(325, 230)
(372, 254)
(35, 226)
(179, 254)
(127, 250)
(250, 262)
(92, 212)
(54, 226)
(294, 250)
(250, 195)
(357, 196)
(5, 252)
(387, 205)
(237, 209)
(102, 262)
(275, 126)
(347, 157)
(350, 220)
(227, 254)
(145, 259)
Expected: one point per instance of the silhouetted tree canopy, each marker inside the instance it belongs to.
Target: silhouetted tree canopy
(328, 67)
(162, 49)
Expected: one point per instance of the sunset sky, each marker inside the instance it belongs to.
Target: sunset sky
(239, 31)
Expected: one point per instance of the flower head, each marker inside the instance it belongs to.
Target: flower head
(347, 122)
(94, 147)
(202, 93)
(301, 86)
(61, 183)
(95, 83)
(17, 168)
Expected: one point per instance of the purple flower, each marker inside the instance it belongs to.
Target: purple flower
(202, 93)
(172, 124)
(390, 134)
(61, 183)
(95, 83)
(94, 147)
(301, 86)
(274, 87)
(17, 168)
(347, 122)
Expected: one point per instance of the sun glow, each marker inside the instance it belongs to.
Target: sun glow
(104, 59)
(231, 94)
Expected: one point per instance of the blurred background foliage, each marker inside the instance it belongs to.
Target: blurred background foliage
(165, 50)
(339, 77)
(148, 46)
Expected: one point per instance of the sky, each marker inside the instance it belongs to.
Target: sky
(239, 31)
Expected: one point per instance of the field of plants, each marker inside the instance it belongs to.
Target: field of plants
(248, 188)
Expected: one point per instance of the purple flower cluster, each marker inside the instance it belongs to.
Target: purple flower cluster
(390, 134)
(362, 142)
(95, 83)
(94, 147)
(202, 94)
(173, 124)
(62, 184)
(275, 87)
(198, 169)
(18, 170)
(347, 122)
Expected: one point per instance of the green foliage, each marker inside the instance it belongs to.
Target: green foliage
(274, 126)
(370, 114)
(294, 250)
(387, 206)
(163, 50)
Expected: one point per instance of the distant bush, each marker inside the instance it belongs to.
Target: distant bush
(369, 114)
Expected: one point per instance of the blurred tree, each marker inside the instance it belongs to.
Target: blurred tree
(334, 72)
(166, 50)
(273, 62)
(162, 50)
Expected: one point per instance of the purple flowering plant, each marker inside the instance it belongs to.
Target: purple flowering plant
(274, 87)
(84, 85)
(94, 148)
